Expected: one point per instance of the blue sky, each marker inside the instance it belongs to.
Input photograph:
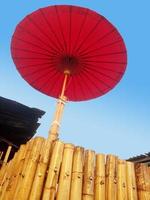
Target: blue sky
(117, 123)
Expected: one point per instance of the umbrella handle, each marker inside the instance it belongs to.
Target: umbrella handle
(53, 132)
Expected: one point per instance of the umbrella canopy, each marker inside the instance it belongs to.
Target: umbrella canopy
(54, 39)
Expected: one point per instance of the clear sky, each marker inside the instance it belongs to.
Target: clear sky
(117, 123)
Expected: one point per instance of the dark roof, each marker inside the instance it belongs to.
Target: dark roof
(143, 158)
(18, 123)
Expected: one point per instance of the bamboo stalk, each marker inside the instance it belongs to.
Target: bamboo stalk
(111, 177)
(24, 155)
(143, 181)
(39, 178)
(7, 155)
(122, 182)
(65, 173)
(15, 167)
(88, 180)
(1, 154)
(77, 174)
(50, 187)
(99, 193)
(28, 174)
(131, 182)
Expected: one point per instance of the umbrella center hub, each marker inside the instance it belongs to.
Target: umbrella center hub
(69, 63)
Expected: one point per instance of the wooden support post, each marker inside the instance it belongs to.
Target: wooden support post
(37, 186)
(143, 181)
(65, 173)
(7, 155)
(88, 180)
(111, 177)
(99, 193)
(131, 182)
(122, 183)
(77, 174)
(49, 192)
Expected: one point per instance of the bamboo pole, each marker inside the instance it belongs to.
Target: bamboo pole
(65, 173)
(5, 180)
(1, 154)
(50, 187)
(7, 155)
(111, 177)
(77, 174)
(21, 165)
(15, 169)
(131, 182)
(122, 182)
(88, 180)
(143, 181)
(99, 193)
(53, 132)
(39, 178)
(28, 174)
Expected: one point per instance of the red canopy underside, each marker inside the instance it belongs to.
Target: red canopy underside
(56, 38)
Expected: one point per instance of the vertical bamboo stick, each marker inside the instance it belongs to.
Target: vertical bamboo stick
(39, 178)
(88, 181)
(30, 169)
(122, 182)
(15, 167)
(7, 155)
(49, 192)
(99, 193)
(143, 181)
(111, 177)
(21, 165)
(77, 174)
(65, 173)
(131, 182)
(1, 154)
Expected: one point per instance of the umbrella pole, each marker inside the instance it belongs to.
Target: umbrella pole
(53, 132)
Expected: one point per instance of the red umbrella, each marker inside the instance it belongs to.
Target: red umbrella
(70, 39)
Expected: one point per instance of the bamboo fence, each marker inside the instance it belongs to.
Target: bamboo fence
(46, 170)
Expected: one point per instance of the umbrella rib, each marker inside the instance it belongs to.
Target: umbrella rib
(61, 30)
(70, 26)
(107, 69)
(38, 38)
(32, 44)
(110, 62)
(27, 50)
(38, 78)
(105, 54)
(35, 65)
(80, 85)
(50, 26)
(48, 80)
(108, 86)
(38, 27)
(110, 44)
(104, 36)
(90, 33)
(37, 71)
(81, 28)
(103, 74)
(33, 58)
(89, 79)
(74, 87)
(52, 86)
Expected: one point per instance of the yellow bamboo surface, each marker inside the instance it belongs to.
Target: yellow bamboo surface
(143, 181)
(99, 193)
(52, 170)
